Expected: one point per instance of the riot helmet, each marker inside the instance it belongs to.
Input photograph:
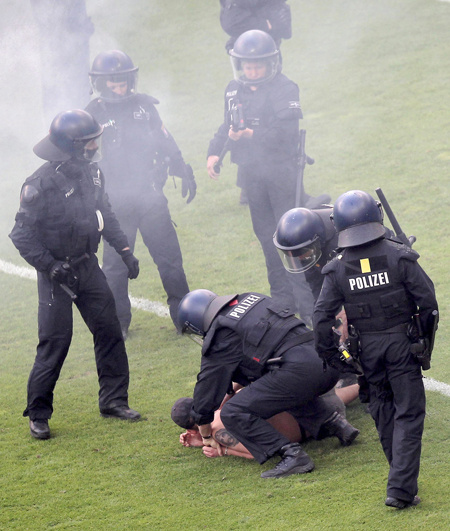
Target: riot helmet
(254, 58)
(197, 310)
(358, 218)
(73, 134)
(113, 76)
(298, 238)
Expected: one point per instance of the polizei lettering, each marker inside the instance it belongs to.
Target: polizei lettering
(369, 281)
(238, 311)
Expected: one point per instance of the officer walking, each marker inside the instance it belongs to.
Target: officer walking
(63, 213)
(265, 150)
(381, 286)
(138, 151)
(251, 340)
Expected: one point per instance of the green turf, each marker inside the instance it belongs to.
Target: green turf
(373, 79)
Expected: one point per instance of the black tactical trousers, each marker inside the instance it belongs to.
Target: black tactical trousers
(271, 193)
(151, 216)
(295, 387)
(397, 404)
(96, 305)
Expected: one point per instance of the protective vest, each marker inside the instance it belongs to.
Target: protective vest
(137, 149)
(64, 209)
(275, 102)
(265, 328)
(368, 276)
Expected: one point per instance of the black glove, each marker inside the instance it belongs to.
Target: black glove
(131, 262)
(188, 184)
(60, 272)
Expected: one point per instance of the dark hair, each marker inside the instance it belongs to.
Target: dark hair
(181, 413)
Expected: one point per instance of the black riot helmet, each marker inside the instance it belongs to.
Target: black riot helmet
(299, 237)
(252, 49)
(71, 136)
(197, 310)
(116, 67)
(358, 218)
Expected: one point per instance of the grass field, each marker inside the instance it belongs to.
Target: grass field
(374, 78)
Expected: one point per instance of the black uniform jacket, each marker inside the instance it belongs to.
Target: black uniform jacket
(58, 216)
(380, 284)
(136, 147)
(273, 112)
(243, 336)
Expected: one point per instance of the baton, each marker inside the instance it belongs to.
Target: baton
(395, 224)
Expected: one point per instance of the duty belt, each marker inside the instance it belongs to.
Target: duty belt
(291, 342)
(394, 330)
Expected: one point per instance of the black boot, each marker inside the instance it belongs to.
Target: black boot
(120, 412)
(401, 504)
(340, 427)
(294, 460)
(39, 429)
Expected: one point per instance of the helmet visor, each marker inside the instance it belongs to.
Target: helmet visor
(254, 71)
(301, 259)
(114, 87)
(90, 150)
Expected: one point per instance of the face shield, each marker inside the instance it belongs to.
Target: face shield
(90, 151)
(254, 71)
(114, 88)
(301, 259)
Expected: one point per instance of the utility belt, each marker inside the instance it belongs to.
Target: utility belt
(276, 361)
(398, 329)
(73, 261)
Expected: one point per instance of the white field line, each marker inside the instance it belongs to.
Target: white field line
(157, 308)
(161, 310)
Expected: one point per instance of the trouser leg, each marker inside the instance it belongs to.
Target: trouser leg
(160, 237)
(269, 199)
(116, 273)
(296, 385)
(399, 413)
(264, 226)
(55, 334)
(96, 305)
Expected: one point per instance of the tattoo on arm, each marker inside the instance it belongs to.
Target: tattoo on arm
(225, 438)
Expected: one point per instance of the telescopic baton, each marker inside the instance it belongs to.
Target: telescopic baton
(395, 224)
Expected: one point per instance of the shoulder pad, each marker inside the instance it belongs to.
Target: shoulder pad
(332, 264)
(148, 98)
(409, 254)
(403, 250)
(29, 194)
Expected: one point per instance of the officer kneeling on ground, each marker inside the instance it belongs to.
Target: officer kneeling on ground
(381, 286)
(251, 340)
(63, 213)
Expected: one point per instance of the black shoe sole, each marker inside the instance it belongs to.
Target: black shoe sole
(400, 504)
(132, 419)
(41, 436)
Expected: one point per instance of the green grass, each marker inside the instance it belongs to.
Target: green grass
(373, 79)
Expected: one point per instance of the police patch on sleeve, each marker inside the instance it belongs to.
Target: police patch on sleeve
(242, 307)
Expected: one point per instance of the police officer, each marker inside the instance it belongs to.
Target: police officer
(271, 16)
(381, 286)
(265, 150)
(63, 213)
(306, 240)
(138, 151)
(251, 340)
